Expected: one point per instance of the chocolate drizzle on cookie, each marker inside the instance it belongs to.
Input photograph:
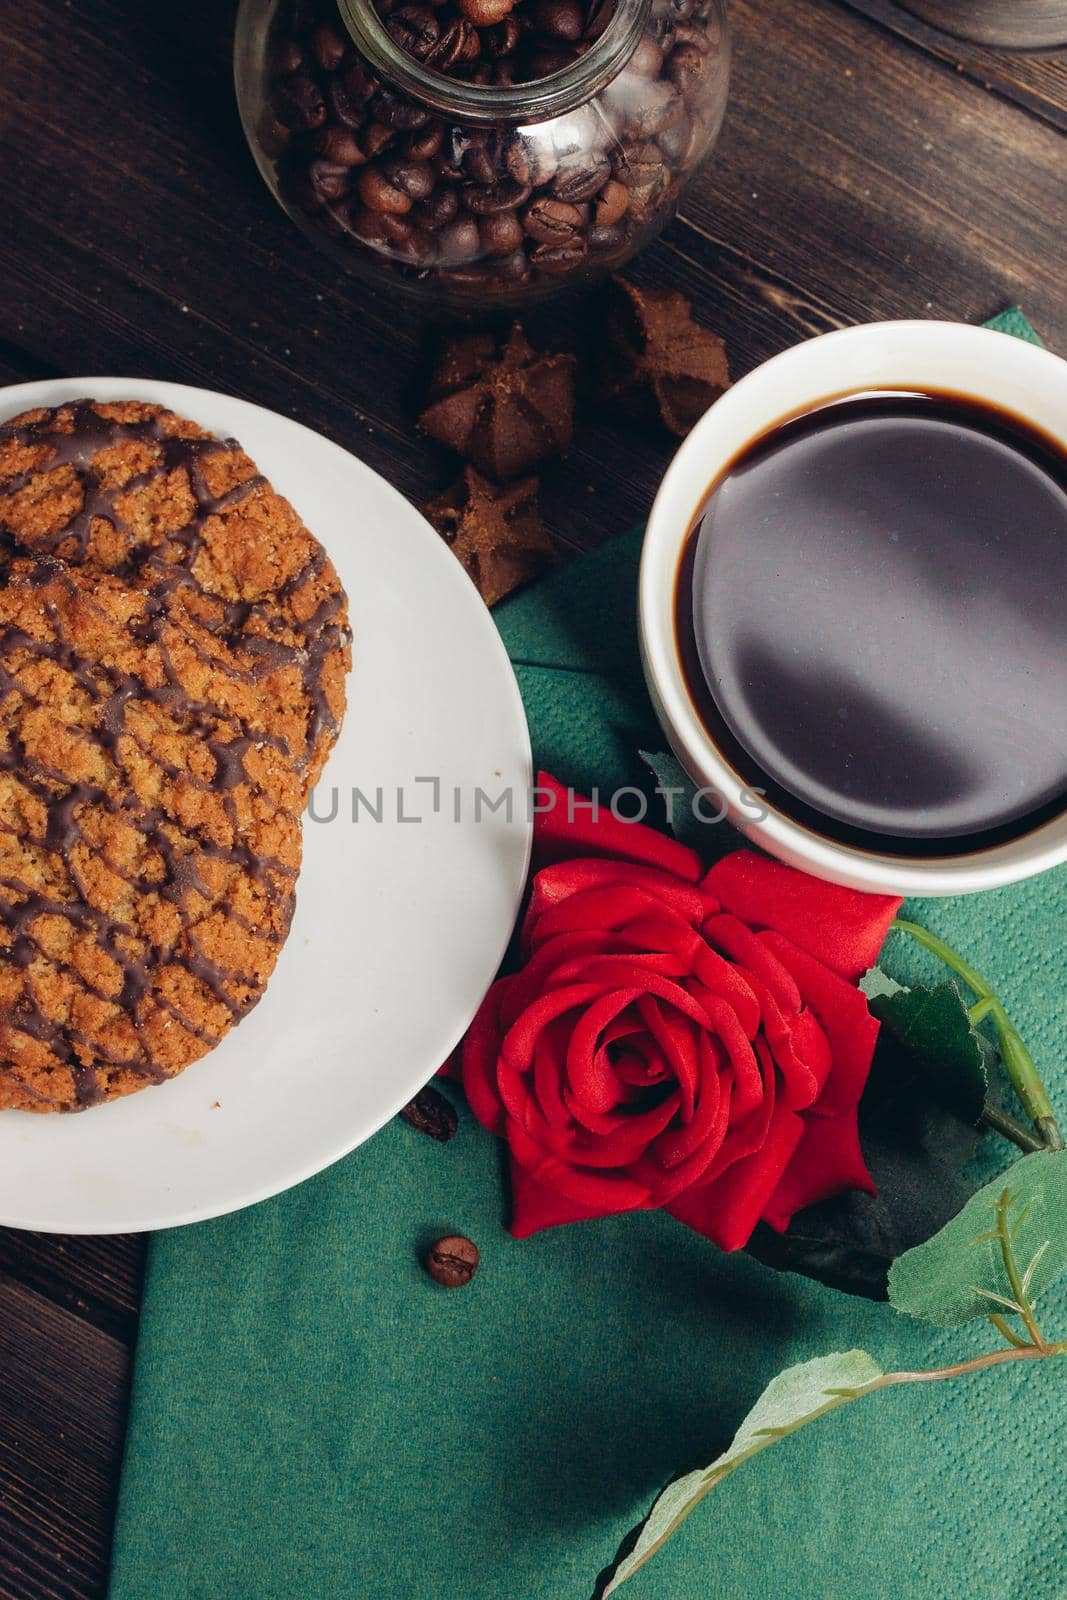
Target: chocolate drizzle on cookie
(173, 645)
(258, 627)
(182, 847)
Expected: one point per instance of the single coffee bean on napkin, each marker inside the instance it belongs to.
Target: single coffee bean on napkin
(452, 1261)
(431, 1113)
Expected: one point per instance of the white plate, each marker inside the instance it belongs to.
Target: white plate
(399, 926)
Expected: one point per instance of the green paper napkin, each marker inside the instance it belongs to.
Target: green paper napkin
(313, 1419)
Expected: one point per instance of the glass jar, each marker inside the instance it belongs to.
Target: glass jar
(473, 193)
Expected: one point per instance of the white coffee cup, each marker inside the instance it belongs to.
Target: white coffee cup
(977, 363)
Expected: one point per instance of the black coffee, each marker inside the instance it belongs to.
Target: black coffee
(872, 609)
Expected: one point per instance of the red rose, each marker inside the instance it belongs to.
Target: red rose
(676, 1039)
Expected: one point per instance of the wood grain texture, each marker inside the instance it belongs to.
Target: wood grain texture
(870, 167)
(1036, 79)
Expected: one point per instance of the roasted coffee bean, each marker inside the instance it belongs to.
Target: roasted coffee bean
(686, 68)
(348, 109)
(559, 258)
(647, 59)
(369, 226)
(543, 63)
(299, 104)
(476, 275)
(397, 229)
(328, 47)
(415, 29)
(504, 195)
(328, 179)
(479, 162)
(378, 194)
(440, 209)
(360, 83)
(452, 1262)
(559, 19)
(675, 140)
(417, 249)
(274, 138)
(488, 206)
(611, 203)
(414, 178)
(448, 162)
(691, 33)
(290, 57)
(396, 112)
(458, 43)
(339, 146)
(580, 177)
(531, 159)
(485, 13)
(582, 131)
(376, 138)
(659, 103)
(503, 40)
(608, 237)
(501, 233)
(600, 14)
(460, 240)
(424, 144)
(513, 269)
(638, 164)
(549, 221)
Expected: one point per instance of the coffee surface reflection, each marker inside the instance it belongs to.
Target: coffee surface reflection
(872, 613)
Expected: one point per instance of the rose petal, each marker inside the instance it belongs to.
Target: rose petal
(731, 985)
(516, 1053)
(827, 1161)
(678, 1049)
(800, 1049)
(479, 1055)
(569, 828)
(605, 1194)
(677, 1144)
(731, 936)
(535, 1206)
(559, 882)
(847, 1023)
(606, 909)
(727, 1210)
(590, 1085)
(841, 927)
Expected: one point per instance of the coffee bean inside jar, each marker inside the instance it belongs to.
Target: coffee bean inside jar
(468, 149)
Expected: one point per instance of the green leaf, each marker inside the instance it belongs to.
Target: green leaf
(876, 983)
(933, 1026)
(795, 1397)
(914, 1145)
(689, 814)
(956, 1275)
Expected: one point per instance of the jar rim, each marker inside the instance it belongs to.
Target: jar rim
(494, 104)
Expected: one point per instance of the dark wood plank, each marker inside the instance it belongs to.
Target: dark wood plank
(98, 1280)
(1035, 79)
(846, 186)
(62, 1407)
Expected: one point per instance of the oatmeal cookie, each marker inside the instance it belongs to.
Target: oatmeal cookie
(137, 492)
(149, 839)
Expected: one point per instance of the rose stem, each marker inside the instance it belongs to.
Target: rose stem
(1018, 1062)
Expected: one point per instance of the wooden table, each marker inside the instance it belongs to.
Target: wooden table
(870, 167)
